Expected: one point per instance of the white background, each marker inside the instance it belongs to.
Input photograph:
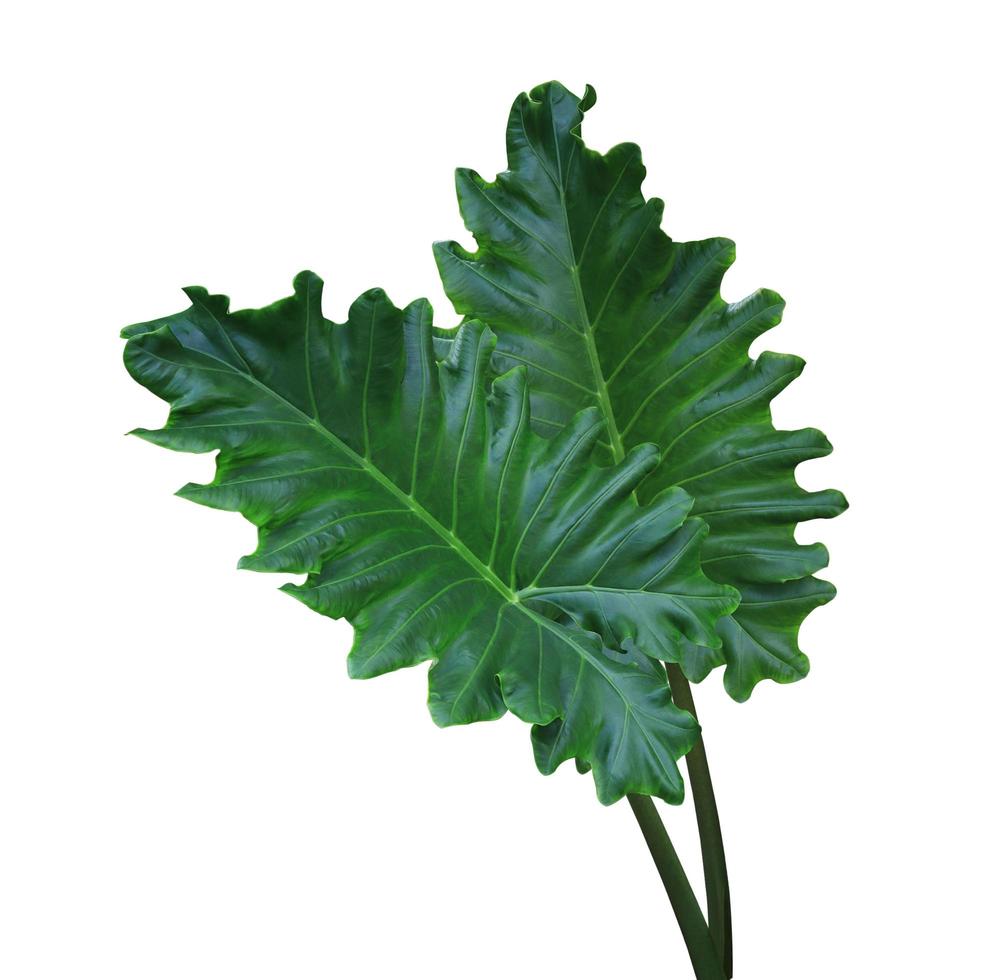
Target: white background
(190, 785)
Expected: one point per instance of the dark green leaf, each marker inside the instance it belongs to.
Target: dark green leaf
(426, 511)
(579, 283)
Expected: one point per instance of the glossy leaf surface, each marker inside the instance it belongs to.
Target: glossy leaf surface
(426, 511)
(580, 284)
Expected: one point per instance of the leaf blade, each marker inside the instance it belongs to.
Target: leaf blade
(565, 238)
(420, 506)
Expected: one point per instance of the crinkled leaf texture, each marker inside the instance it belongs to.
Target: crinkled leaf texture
(578, 281)
(428, 513)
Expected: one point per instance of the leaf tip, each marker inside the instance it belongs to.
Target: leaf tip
(450, 249)
(646, 455)
(363, 306)
(828, 593)
(305, 281)
(191, 491)
(217, 304)
(466, 176)
(355, 668)
(511, 380)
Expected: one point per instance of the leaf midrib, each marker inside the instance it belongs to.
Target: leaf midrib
(421, 512)
(591, 348)
(445, 534)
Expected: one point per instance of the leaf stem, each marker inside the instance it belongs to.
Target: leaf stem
(704, 957)
(709, 829)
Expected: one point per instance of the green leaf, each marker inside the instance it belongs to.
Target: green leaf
(426, 511)
(579, 283)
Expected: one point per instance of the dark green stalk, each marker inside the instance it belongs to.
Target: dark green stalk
(704, 957)
(709, 830)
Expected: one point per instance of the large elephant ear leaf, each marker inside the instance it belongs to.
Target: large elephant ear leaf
(578, 281)
(425, 510)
